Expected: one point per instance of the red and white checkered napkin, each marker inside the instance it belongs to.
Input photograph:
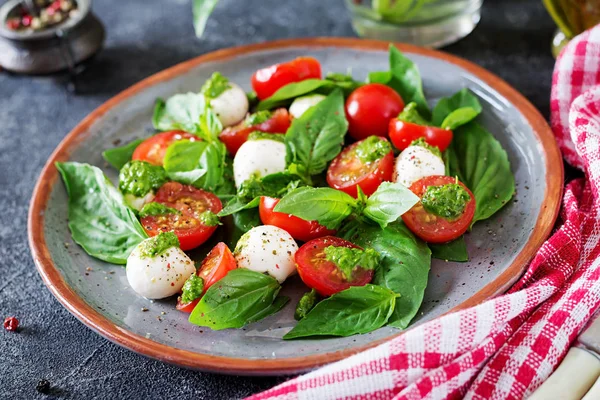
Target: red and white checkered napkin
(506, 347)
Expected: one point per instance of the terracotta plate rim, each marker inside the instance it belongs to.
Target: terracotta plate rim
(94, 320)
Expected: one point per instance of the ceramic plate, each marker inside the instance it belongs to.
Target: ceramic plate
(98, 293)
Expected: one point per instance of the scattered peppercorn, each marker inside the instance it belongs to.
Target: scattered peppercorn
(43, 386)
(11, 323)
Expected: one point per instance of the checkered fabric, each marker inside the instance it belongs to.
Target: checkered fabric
(506, 347)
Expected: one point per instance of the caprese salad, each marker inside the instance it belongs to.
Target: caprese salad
(351, 185)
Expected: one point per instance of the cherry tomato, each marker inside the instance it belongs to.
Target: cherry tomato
(402, 134)
(433, 228)
(346, 172)
(322, 275)
(214, 267)
(370, 108)
(188, 227)
(297, 227)
(235, 136)
(154, 148)
(268, 80)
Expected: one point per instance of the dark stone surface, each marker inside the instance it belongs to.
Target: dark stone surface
(143, 37)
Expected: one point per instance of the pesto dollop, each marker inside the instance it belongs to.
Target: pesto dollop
(209, 218)
(154, 208)
(372, 149)
(348, 259)
(192, 289)
(447, 201)
(140, 177)
(215, 86)
(411, 114)
(158, 245)
(306, 303)
(258, 118)
(422, 143)
(258, 135)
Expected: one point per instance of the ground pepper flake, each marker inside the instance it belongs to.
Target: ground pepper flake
(11, 324)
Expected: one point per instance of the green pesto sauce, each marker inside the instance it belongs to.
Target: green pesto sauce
(140, 178)
(372, 149)
(306, 303)
(347, 259)
(447, 201)
(411, 114)
(154, 208)
(192, 289)
(215, 86)
(208, 218)
(158, 245)
(422, 143)
(258, 118)
(258, 135)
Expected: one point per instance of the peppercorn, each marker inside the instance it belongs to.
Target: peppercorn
(43, 386)
(11, 323)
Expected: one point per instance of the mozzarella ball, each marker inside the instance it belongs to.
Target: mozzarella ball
(258, 157)
(267, 249)
(138, 203)
(417, 162)
(301, 104)
(231, 106)
(160, 276)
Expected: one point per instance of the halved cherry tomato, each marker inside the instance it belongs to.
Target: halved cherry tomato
(322, 275)
(154, 148)
(402, 134)
(188, 227)
(297, 227)
(235, 136)
(347, 171)
(433, 228)
(370, 108)
(214, 267)
(268, 80)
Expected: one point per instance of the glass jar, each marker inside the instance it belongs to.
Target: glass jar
(431, 23)
(572, 17)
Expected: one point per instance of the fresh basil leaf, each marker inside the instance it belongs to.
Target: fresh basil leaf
(410, 113)
(201, 10)
(287, 93)
(482, 164)
(459, 117)
(344, 82)
(241, 297)
(404, 267)
(199, 163)
(461, 99)
(278, 304)
(99, 220)
(179, 112)
(272, 185)
(237, 204)
(210, 125)
(327, 206)
(317, 136)
(358, 309)
(244, 220)
(119, 156)
(404, 77)
(389, 202)
(226, 190)
(455, 250)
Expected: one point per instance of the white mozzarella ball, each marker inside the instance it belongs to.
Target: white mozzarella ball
(417, 162)
(267, 249)
(160, 276)
(258, 157)
(301, 104)
(138, 202)
(231, 106)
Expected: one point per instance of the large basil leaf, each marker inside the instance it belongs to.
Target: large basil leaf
(389, 202)
(241, 297)
(99, 220)
(119, 156)
(464, 103)
(482, 164)
(245, 220)
(359, 309)
(179, 112)
(404, 266)
(199, 163)
(317, 136)
(327, 206)
(404, 77)
(237, 204)
(455, 250)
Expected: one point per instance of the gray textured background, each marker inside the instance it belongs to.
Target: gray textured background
(144, 37)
